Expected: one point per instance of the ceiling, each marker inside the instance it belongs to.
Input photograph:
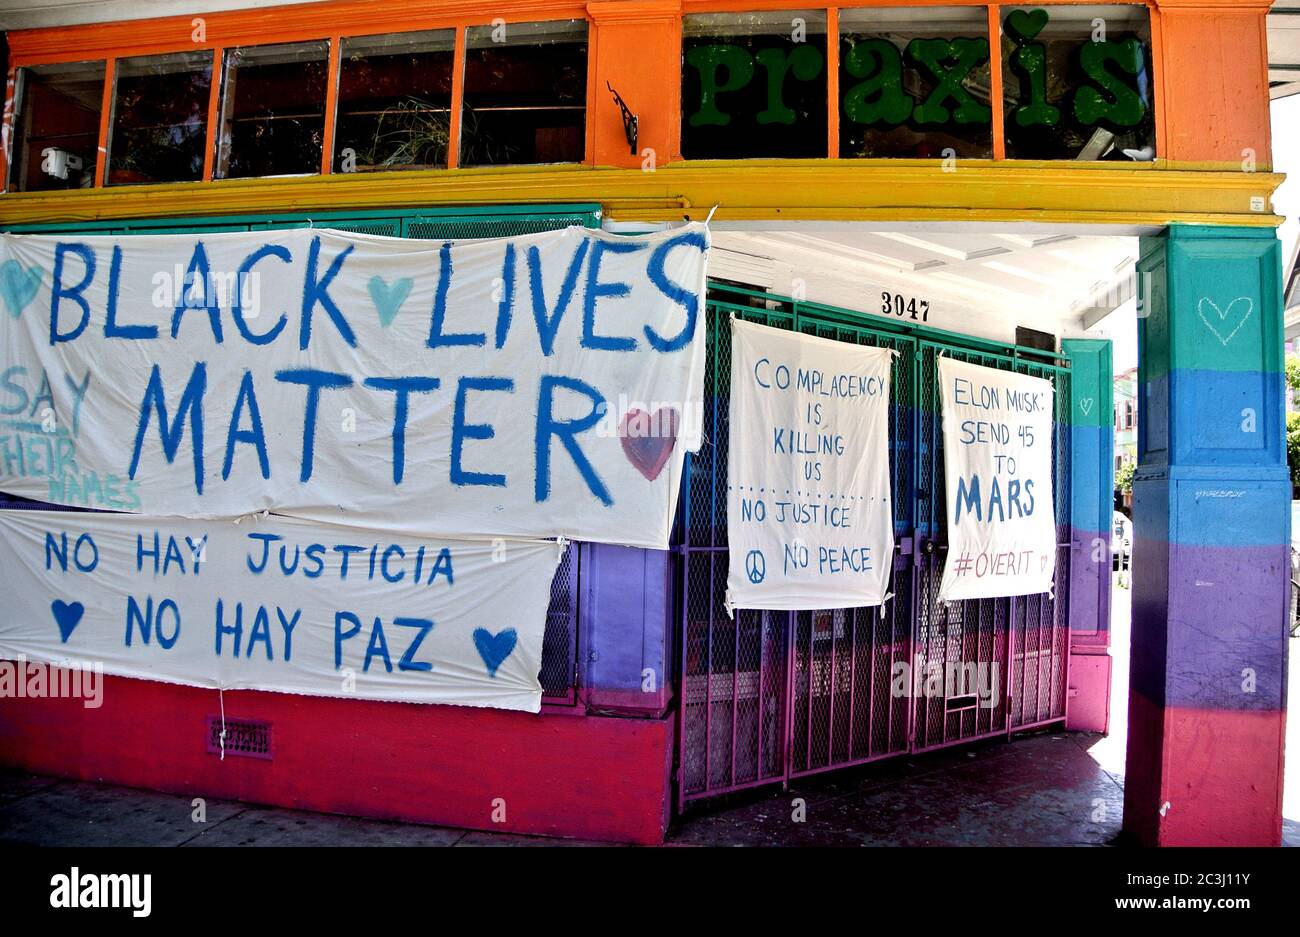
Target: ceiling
(1283, 48)
(983, 282)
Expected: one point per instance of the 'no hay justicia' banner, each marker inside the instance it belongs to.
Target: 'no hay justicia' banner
(281, 604)
(810, 521)
(542, 385)
(997, 438)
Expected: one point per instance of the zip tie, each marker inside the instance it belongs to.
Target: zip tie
(221, 695)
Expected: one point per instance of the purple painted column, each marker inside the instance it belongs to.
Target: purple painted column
(624, 629)
(1092, 444)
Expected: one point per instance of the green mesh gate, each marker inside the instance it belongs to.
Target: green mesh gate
(768, 696)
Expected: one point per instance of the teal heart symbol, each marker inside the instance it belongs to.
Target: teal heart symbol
(388, 298)
(67, 615)
(495, 648)
(18, 285)
(1026, 24)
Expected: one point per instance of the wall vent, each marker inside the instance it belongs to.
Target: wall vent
(249, 738)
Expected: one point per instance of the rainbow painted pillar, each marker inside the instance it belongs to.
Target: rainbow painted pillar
(1207, 705)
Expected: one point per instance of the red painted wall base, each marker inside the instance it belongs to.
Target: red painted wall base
(557, 774)
(1089, 709)
(1200, 777)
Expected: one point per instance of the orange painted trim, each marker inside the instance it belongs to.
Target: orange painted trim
(590, 114)
(1265, 160)
(1158, 80)
(833, 83)
(306, 21)
(997, 97)
(269, 25)
(105, 121)
(331, 106)
(7, 127)
(753, 6)
(214, 114)
(457, 98)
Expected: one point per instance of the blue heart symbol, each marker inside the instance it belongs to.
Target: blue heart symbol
(67, 615)
(18, 285)
(388, 299)
(494, 649)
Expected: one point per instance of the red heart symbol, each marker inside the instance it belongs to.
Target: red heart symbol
(648, 440)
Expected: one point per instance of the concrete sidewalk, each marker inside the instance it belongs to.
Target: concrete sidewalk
(1041, 790)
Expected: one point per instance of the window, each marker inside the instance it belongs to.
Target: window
(525, 93)
(57, 126)
(160, 118)
(754, 84)
(394, 101)
(915, 82)
(1078, 83)
(273, 110)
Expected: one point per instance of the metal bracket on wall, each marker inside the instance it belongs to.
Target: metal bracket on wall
(629, 119)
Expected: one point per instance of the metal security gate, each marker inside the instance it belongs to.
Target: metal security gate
(769, 696)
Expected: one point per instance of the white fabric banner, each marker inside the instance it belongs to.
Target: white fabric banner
(533, 386)
(278, 604)
(997, 439)
(810, 523)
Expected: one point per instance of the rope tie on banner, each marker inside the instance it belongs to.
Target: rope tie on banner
(726, 604)
(221, 695)
(888, 596)
(711, 211)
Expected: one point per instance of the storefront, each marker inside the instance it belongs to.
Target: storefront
(869, 178)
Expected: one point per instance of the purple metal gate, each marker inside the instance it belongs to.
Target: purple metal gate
(769, 696)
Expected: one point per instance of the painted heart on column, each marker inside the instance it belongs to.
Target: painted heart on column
(495, 648)
(1225, 323)
(648, 439)
(388, 297)
(18, 285)
(67, 615)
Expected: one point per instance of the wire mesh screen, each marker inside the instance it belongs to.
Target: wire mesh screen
(773, 695)
(984, 666)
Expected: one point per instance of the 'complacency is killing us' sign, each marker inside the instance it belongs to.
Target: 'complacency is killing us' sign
(810, 522)
(532, 386)
(280, 604)
(997, 438)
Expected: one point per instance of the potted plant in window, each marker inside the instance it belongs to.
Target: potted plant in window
(410, 134)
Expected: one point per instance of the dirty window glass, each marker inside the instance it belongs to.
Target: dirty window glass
(1078, 83)
(394, 101)
(57, 126)
(525, 93)
(160, 118)
(273, 110)
(754, 84)
(915, 83)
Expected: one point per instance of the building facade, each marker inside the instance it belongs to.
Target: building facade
(905, 138)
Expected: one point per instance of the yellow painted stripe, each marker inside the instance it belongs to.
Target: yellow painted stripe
(750, 190)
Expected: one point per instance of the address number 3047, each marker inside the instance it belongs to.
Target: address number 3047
(896, 304)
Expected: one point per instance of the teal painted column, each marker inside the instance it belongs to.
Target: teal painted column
(1092, 483)
(1211, 559)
